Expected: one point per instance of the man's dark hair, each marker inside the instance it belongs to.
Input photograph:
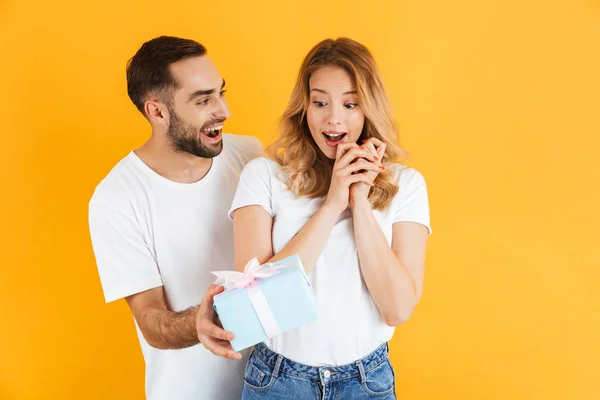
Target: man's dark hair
(148, 70)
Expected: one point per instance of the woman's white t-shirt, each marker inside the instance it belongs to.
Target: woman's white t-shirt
(349, 325)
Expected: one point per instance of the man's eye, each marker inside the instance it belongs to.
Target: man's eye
(203, 102)
(222, 93)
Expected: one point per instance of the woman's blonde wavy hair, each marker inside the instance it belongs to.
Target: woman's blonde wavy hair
(307, 171)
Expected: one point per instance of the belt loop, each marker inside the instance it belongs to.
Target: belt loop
(387, 351)
(277, 365)
(361, 371)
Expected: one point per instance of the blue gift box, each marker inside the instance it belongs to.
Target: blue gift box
(269, 306)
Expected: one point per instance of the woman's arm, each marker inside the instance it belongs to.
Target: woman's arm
(394, 276)
(252, 227)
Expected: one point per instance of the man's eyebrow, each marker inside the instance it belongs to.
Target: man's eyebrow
(204, 92)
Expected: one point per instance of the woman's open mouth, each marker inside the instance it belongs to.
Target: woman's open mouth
(333, 138)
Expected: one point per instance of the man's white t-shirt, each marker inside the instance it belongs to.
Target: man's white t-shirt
(148, 231)
(349, 325)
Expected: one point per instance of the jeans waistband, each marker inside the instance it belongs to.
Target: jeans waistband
(281, 364)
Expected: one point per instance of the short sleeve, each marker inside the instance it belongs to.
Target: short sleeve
(125, 263)
(254, 187)
(412, 204)
(256, 148)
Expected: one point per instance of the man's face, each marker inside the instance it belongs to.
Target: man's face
(198, 108)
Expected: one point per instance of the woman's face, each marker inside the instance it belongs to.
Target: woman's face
(334, 115)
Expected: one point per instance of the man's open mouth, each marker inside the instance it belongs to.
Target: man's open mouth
(213, 131)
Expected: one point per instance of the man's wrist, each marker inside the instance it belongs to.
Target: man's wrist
(192, 320)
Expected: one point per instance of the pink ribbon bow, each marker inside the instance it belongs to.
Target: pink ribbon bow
(252, 271)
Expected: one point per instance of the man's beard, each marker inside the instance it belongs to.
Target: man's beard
(186, 137)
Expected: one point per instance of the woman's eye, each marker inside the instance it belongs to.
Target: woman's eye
(319, 103)
(350, 106)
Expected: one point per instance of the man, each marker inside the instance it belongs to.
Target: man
(159, 221)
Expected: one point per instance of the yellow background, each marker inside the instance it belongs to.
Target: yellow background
(499, 105)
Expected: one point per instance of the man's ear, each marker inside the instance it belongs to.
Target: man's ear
(156, 111)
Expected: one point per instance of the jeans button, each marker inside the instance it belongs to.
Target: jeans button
(327, 374)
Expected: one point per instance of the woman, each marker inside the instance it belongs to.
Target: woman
(333, 192)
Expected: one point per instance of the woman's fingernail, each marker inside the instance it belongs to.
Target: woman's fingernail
(373, 183)
(360, 147)
(381, 167)
(376, 158)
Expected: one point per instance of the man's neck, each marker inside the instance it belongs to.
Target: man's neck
(175, 166)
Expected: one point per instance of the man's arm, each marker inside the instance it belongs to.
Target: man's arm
(164, 329)
(126, 266)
